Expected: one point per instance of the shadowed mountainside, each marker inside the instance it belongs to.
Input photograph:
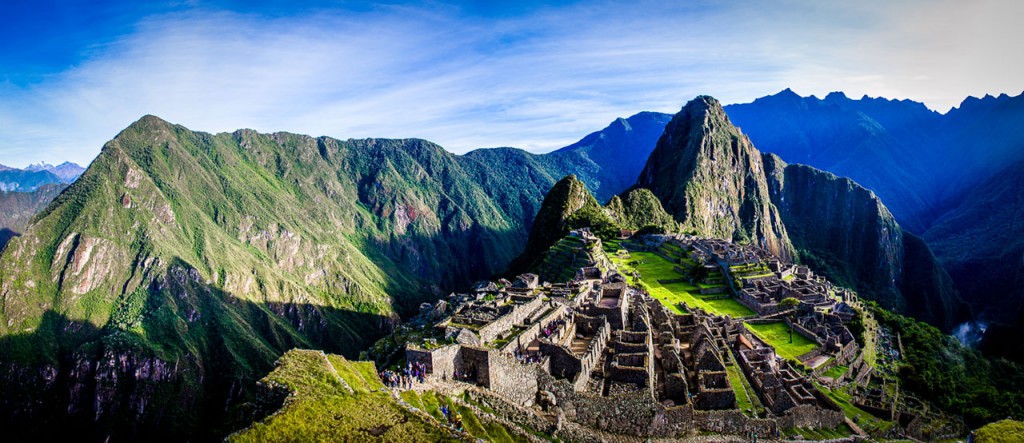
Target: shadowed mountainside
(709, 175)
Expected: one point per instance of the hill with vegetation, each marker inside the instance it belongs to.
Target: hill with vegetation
(714, 181)
(154, 291)
(951, 178)
(18, 208)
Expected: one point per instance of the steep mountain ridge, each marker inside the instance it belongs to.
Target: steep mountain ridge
(568, 205)
(154, 290)
(709, 175)
(918, 161)
(981, 244)
(638, 208)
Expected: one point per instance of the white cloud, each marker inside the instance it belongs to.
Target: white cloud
(536, 82)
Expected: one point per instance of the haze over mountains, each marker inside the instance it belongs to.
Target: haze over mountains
(186, 262)
(24, 192)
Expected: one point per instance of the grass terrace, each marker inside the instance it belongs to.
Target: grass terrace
(835, 371)
(866, 421)
(653, 267)
(777, 335)
(323, 410)
(746, 398)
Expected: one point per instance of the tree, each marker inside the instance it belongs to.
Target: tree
(789, 303)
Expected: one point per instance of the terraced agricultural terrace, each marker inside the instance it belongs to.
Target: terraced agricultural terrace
(662, 279)
(659, 323)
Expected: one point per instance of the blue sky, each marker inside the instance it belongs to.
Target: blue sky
(467, 75)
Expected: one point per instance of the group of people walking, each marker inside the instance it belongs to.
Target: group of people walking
(553, 327)
(525, 357)
(413, 371)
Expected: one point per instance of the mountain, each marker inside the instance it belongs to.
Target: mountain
(981, 243)
(638, 208)
(918, 161)
(154, 290)
(567, 206)
(17, 208)
(66, 171)
(17, 180)
(610, 160)
(150, 295)
(711, 178)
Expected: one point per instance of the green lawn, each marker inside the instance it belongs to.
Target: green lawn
(653, 267)
(743, 401)
(777, 335)
(322, 410)
(836, 371)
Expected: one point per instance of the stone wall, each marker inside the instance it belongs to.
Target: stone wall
(440, 362)
(478, 361)
(501, 325)
(594, 351)
(641, 416)
(804, 332)
(629, 414)
(733, 422)
(714, 391)
(563, 363)
(806, 416)
(676, 389)
(533, 331)
(513, 380)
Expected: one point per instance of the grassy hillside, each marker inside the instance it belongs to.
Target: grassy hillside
(188, 252)
(329, 398)
(709, 176)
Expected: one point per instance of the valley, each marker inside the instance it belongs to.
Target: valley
(156, 293)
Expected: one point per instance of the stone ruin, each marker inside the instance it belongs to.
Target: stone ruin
(615, 348)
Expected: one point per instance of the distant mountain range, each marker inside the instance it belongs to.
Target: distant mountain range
(34, 176)
(151, 293)
(933, 171)
(709, 175)
(918, 161)
(952, 178)
(24, 192)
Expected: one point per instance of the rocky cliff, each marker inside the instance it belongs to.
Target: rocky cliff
(150, 295)
(569, 205)
(709, 175)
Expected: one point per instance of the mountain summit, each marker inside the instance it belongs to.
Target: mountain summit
(710, 176)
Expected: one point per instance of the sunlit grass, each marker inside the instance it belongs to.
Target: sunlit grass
(778, 336)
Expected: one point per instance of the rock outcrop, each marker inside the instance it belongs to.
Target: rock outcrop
(716, 183)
